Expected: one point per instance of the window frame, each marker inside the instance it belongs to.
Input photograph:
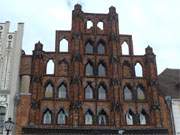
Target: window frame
(85, 89)
(45, 89)
(66, 91)
(62, 111)
(51, 117)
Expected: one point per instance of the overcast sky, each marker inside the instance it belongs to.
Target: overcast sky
(150, 22)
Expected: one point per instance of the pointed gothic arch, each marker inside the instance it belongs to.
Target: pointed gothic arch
(138, 70)
(50, 67)
(61, 118)
(89, 92)
(62, 91)
(125, 48)
(102, 117)
(47, 117)
(49, 90)
(88, 117)
(89, 71)
(63, 45)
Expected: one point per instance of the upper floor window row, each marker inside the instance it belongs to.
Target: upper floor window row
(128, 69)
(61, 91)
(141, 118)
(130, 94)
(90, 92)
(90, 49)
(62, 116)
(48, 117)
(62, 67)
(90, 24)
(90, 70)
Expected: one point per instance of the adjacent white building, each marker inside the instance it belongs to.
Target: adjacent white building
(176, 114)
(10, 51)
(169, 84)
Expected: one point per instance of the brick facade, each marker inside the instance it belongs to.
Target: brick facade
(69, 69)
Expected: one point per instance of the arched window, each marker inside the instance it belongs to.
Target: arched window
(88, 92)
(89, 24)
(47, 117)
(125, 48)
(101, 92)
(50, 67)
(129, 117)
(89, 48)
(61, 117)
(140, 93)
(62, 93)
(63, 46)
(49, 91)
(101, 48)
(101, 70)
(88, 118)
(89, 69)
(100, 25)
(102, 118)
(138, 70)
(143, 117)
(127, 93)
(2, 114)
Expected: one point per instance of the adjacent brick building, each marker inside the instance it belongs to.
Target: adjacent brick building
(90, 84)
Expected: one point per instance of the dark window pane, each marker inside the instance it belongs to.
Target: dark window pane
(49, 91)
(88, 92)
(101, 48)
(127, 94)
(101, 70)
(101, 93)
(89, 69)
(89, 48)
(62, 91)
(47, 118)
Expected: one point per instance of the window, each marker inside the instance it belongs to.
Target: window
(125, 48)
(47, 117)
(129, 117)
(101, 92)
(62, 91)
(88, 92)
(140, 93)
(89, 48)
(88, 118)
(2, 116)
(89, 69)
(100, 25)
(50, 67)
(101, 49)
(89, 24)
(102, 118)
(63, 46)
(142, 117)
(49, 91)
(127, 93)
(101, 70)
(61, 117)
(138, 70)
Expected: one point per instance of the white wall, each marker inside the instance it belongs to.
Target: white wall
(10, 52)
(176, 114)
